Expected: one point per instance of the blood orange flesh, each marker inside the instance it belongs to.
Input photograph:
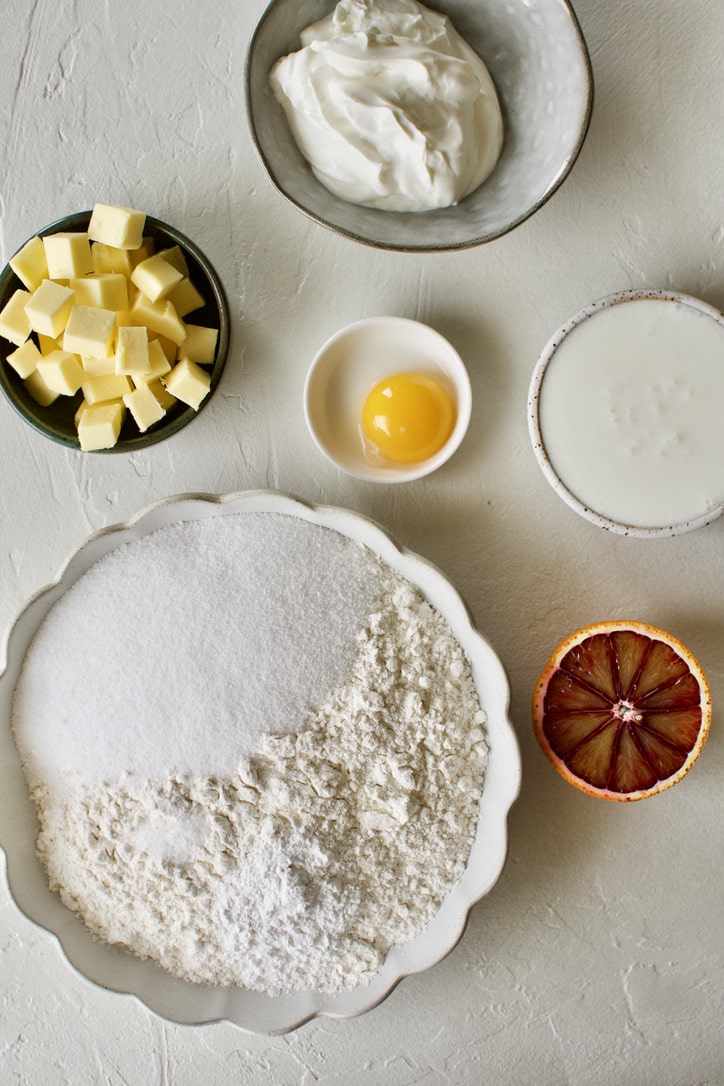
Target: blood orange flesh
(622, 710)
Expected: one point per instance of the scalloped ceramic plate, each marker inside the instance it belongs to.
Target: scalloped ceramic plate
(184, 1002)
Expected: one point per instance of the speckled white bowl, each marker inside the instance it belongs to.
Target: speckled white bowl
(584, 503)
(351, 363)
(181, 1001)
(537, 56)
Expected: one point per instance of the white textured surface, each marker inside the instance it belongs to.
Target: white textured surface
(598, 957)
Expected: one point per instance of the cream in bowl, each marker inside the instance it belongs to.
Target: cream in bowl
(390, 106)
(387, 399)
(625, 412)
(541, 79)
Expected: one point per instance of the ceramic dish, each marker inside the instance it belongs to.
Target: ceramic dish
(346, 368)
(57, 420)
(624, 413)
(539, 62)
(184, 1002)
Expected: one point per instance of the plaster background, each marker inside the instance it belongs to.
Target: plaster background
(597, 959)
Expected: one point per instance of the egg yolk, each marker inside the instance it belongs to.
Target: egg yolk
(408, 417)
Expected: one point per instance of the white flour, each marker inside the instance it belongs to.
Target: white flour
(304, 864)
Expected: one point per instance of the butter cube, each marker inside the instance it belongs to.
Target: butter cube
(121, 227)
(162, 394)
(160, 317)
(107, 290)
(49, 308)
(185, 297)
(29, 263)
(144, 407)
(107, 260)
(25, 359)
(98, 367)
(168, 347)
(62, 372)
(37, 388)
(132, 350)
(68, 255)
(50, 343)
(90, 331)
(99, 425)
(155, 277)
(188, 383)
(200, 344)
(176, 258)
(111, 386)
(159, 364)
(14, 320)
(79, 413)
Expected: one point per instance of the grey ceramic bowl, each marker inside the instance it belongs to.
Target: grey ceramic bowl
(57, 420)
(537, 56)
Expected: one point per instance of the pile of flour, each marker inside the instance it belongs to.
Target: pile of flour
(317, 846)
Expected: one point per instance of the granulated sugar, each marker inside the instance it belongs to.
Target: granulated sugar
(177, 651)
(323, 839)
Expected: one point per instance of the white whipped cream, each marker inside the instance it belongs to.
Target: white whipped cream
(390, 106)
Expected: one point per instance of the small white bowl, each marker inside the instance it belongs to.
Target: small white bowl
(351, 363)
(624, 413)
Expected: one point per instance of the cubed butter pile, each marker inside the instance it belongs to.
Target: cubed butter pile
(103, 314)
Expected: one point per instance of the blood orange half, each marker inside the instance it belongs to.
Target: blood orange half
(622, 710)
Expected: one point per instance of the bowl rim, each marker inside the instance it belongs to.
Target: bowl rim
(536, 434)
(278, 1015)
(398, 473)
(441, 247)
(153, 435)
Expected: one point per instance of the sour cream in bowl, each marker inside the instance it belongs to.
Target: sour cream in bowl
(539, 81)
(390, 106)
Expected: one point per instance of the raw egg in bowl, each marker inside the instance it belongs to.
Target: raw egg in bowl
(387, 399)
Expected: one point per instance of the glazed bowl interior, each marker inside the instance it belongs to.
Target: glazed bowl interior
(537, 56)
(57, 421)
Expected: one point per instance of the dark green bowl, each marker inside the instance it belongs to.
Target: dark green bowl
(57, 420)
